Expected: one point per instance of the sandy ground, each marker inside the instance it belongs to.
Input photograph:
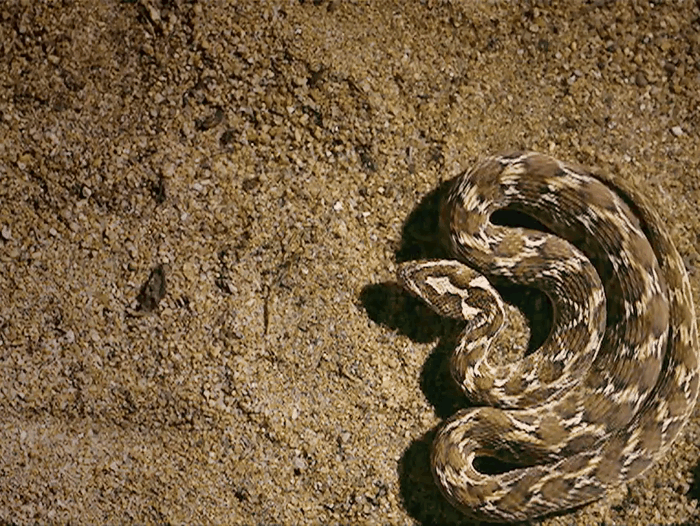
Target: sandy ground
(267, 164)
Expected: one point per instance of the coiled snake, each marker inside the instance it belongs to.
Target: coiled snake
(617, 377)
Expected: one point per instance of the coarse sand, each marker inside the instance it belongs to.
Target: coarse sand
(202, 204)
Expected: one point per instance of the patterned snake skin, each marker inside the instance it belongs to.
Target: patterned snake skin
(617, 377)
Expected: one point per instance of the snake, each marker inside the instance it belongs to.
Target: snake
(616, 379)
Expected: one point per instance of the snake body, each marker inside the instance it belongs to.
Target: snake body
(617, 377)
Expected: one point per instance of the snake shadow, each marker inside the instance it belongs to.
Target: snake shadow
(693, 492)
(389, 305)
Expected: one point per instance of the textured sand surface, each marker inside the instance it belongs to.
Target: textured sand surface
(277, 158)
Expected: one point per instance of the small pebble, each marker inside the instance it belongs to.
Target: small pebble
(677, 131)
(640, 79)
(153, 290)
(299, 463)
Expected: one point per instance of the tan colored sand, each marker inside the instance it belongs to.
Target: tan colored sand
(268, 154)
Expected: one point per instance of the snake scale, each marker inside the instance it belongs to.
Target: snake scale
(616, 379)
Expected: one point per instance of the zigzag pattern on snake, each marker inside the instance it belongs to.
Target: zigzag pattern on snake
(617, 377)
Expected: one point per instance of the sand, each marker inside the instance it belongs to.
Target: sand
(202, 205)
